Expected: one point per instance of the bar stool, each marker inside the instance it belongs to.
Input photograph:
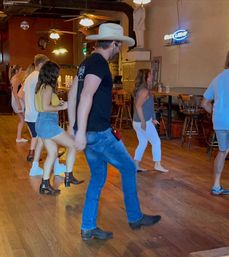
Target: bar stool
(212, 144)
(190, 107)
(122, 100)
(63, 115)
(159, 108)
(63, 118)
(114, 107)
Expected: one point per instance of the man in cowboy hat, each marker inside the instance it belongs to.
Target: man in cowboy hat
(94, 134)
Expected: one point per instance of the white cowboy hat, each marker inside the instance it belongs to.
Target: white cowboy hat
(111, 31)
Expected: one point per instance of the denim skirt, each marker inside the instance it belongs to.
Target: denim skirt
(47, 125)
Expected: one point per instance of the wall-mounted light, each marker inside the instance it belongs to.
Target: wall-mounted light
(60, 51)
(141, 1)
(24, 25)
(84, 49)
(86, 22)
(54, 36)
(2, 14)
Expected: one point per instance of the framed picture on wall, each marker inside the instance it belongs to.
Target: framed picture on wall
(226, 66)
(1, 53)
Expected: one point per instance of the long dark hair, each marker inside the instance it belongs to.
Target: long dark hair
(48, 75)
(141, 80)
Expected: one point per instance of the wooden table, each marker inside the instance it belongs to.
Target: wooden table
(175, 92)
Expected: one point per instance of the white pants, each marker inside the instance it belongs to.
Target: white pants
(151, 135)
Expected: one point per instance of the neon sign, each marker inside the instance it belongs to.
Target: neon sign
(177, 36)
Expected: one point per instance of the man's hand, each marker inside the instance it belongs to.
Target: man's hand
(80, 141)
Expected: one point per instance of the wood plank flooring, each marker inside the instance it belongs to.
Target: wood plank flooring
(32, 225)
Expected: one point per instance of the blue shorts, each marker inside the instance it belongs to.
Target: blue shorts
(223, 139)
(47, 125)
(31, 126)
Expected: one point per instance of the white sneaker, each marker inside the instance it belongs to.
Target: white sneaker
(21, 140)
(139, 169)
(35, 170)
(59, 168)
(160, 168)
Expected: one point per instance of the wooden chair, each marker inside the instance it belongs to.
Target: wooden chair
(159, 108)
(63, 115)
(122, 100)
(212, 144)
(63, 118)
(190, 107)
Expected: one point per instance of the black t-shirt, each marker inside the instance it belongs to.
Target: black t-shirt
(99, 116)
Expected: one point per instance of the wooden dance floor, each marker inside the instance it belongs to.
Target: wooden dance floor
(33, 225)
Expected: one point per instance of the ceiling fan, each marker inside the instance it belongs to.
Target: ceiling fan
(59, 31)
(86, 19)
(56, 33)
(93, 17)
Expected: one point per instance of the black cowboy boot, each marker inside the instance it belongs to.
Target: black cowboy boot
(46, 188)
(96, 233)
(70, 179)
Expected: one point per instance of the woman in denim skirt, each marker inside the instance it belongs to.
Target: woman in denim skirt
(47, 128)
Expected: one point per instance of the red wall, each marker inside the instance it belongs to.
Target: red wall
(23, 44)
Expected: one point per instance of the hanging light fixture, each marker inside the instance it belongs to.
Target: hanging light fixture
(86, 22)
(54, 36)
(142, 2)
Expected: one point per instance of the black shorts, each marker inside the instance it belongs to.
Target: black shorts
(31, 126)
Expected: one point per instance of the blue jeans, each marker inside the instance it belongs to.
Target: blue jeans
(103, 148)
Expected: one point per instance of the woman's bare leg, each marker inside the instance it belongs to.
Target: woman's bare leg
(20, 125)
(66, 140)
(51, 148)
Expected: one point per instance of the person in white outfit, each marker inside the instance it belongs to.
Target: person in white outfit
(16, 102)
(31, 114)
(144, 120)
